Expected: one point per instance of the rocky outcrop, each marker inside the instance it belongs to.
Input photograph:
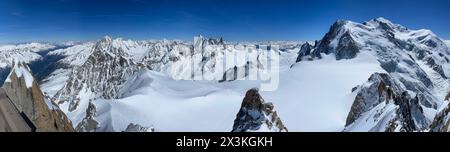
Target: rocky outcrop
(441, 122)
(138, 128)
(257, 115)
(385, 101)
(88, 124)
(305, 50)
(27, 96)
(201, 42)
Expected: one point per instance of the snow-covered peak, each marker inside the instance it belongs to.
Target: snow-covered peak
(105, 45)
(121, 47)
(138, 128)
(341, 25)
(198, 38)
(385, 24)
(69, 43)
(103, 42)
(417, 58)
(257, 115)
(200, 41)
(372, 26)
(341, 22)
(20, 70)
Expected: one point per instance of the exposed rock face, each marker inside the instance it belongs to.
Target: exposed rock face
(304, 51)
(138, 128)
(347, 47)
(200, 42)
(88, 124)
(105, 70)
(25, 93)
(385, 101)
(257, 115)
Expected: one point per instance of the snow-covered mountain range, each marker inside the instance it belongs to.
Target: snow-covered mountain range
(372, 76)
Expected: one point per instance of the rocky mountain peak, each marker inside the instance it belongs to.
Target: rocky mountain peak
(346, 39)
(201, 42)
(441, 122)
(25, 93)
(88, 124)
(305, 50)
(413, 53)
(385, 101)
(110, 47)
(257, 115)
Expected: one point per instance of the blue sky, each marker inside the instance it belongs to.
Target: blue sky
(245, 20)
